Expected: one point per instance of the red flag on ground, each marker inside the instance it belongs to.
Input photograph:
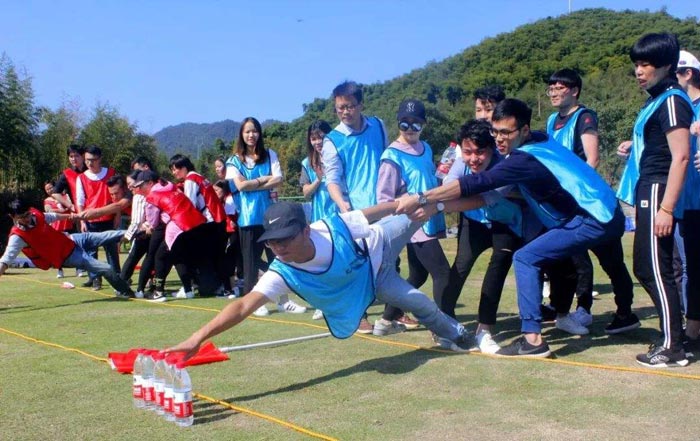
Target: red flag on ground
(123, 362)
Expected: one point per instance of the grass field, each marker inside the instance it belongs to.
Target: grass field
(363, 388)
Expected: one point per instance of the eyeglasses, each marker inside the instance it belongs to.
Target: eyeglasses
(556, 90)
(280, 243)
(405, 125)
(503, 132)
(346, 107)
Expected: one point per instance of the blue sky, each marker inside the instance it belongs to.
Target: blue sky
(166, 62)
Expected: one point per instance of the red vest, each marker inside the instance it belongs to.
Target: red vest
(179, 208)
(59, 225)
(97, 194)
(210, 198)
(46, 247)
(72, 177)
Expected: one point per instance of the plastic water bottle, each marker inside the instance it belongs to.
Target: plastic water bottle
(448, 157)
(159, 382)
(182, 397)
(168, 390)
(147, 364)
(137, 388)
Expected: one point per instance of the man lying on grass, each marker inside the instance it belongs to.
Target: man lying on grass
(47, 248)
(339, 265)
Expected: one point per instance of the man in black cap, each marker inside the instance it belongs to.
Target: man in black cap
(339, 265)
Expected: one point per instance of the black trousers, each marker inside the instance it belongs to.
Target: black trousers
(252, 252)
(473, 239)
(423, 258)
(653, 264)
(139, 248)
(690, 230)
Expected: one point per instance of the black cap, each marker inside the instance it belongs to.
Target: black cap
(411, 109)
(145, 176)
(283, 220)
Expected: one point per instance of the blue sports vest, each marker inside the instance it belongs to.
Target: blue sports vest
(322, 205)
(579, 179)
(630, 176)
(503, 211)
(359, 154)
(251, 204)
(345, 290)
(690, 197)
(418, 172)
(565, 135)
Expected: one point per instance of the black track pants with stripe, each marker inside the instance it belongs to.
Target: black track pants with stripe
(653, 265)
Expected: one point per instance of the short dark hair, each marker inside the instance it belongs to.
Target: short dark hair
(568, 77)
(659, 50)
(348, 88)
(492, 92)
(18, 206)
(477, 131)
(181, 161)
(142, 160)
(513, 108)
(94, 151)
(75, 148)
(116, 180)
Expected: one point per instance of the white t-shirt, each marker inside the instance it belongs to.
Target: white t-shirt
(272, 285)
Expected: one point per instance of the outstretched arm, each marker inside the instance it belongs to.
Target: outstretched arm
(230, 316)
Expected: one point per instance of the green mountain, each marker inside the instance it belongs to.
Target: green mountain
(192, 138)
(596, 42)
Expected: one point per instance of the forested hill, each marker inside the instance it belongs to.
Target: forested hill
(596, 42)
(191, 138)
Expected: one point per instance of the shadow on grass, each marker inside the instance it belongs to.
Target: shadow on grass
(206, 412)
(391, 365)
(27, 308)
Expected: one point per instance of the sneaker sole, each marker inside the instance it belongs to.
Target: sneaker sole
(383, 332)
(158, 300)
(364, 331)
(623, 329)
(681, 363)
(537, 355)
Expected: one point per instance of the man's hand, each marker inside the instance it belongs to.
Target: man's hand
(408, 204)
(189, 347)
(623, 149)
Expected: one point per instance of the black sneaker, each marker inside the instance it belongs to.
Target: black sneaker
(97, 284)
(521, 348)
(126, 295)
(464, 343)
(620, 324)
(691, 346)
(660, 357)
(156, 297)
(549, 314)
(88, 283)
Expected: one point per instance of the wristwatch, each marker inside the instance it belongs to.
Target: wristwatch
(422, 199)
(440, 207)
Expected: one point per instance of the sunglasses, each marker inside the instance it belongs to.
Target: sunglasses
(405, 125)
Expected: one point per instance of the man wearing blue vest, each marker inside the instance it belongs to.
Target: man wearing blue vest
(688, 75)
(339, 264)
(351, 155)
(577, 208)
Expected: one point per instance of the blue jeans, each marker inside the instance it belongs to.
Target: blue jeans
(111, 249)
(576, 236)
(392, 289)
(81, 258)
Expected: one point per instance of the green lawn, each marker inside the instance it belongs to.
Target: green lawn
(357, 389)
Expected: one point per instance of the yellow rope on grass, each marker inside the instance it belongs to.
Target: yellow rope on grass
(244, 410)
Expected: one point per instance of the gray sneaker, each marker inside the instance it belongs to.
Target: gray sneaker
(464, 343)
(385, 327)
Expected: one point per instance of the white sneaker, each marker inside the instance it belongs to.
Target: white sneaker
(80, 273)
(261, 312)
(318, 315)
(570, 325)
(582, 317)
(486, 343)
(385, 327)
(291, 307)
(138, 294)
(181, 294)
(545, 289)
(59, 275)
(595, 294)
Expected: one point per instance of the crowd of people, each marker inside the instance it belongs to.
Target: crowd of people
(533, 197)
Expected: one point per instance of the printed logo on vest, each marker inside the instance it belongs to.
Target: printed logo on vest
(644, 204)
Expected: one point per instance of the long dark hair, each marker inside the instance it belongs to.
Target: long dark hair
(260, 151)
(319, 128)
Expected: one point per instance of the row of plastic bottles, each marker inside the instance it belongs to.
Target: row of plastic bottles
(163, 386)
